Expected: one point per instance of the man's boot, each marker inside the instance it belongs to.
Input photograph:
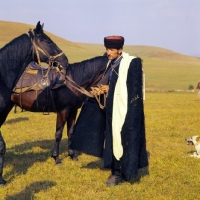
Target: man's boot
(114, 179)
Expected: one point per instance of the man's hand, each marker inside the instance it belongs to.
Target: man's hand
(103, 89)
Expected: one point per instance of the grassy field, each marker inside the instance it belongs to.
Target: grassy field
(170, 118)
(172, 174)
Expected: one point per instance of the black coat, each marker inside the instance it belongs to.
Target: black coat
(94, 126)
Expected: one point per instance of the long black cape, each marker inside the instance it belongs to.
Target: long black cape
(91, 138)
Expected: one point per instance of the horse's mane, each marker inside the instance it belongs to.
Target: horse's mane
(16, 41)
(91, 69)
(12, 58)
(13, 48)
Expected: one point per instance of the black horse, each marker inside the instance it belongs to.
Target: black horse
(14, 57)
(66, 100)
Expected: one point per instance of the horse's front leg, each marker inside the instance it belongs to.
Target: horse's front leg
(70, 124)
(2, 153)
(5, 107)
(60, 122)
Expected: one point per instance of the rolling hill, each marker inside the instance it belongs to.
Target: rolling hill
(164, 69)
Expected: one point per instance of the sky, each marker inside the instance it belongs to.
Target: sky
(169, 24)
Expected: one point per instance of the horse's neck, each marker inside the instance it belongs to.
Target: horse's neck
(84, 73)
(15, 56)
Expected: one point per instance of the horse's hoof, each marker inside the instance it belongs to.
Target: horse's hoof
(73, 157)
(58, 161)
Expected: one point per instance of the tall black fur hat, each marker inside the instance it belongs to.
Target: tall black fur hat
(114, 42)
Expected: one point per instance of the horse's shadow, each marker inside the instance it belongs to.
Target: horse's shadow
(15, 120)
(29, 191)
(21, 157)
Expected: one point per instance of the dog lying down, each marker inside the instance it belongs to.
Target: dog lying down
(194, 140)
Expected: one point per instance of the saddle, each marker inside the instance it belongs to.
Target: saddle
(36, 77)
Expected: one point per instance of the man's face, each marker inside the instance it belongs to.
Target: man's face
(113, 54)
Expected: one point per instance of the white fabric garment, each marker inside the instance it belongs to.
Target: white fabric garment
(120, 102)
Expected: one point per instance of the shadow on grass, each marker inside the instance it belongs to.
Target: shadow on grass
(19, 119)
(100, 165)
(21, 157)
(141, 173)
(29, 191)
(191, 152)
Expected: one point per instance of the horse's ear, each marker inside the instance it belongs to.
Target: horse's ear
(39, 28)
(38, 25)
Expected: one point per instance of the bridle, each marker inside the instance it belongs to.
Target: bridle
(37, 49)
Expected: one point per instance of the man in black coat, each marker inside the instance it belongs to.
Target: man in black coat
(117, 133)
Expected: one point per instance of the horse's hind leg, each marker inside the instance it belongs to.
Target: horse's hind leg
(70, 124)
(60, 122)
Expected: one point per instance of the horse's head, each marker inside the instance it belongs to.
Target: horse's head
(44, 49)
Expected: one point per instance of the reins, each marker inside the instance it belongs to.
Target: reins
(77, 87)
(69, 81)
(98, 98)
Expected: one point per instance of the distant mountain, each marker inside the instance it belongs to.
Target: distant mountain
(147, 52)
(11, 30)
(164, 69)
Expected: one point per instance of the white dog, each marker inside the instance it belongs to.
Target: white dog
(194, 140)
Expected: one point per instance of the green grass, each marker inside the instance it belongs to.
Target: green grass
(170, 75)
(32, 174)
